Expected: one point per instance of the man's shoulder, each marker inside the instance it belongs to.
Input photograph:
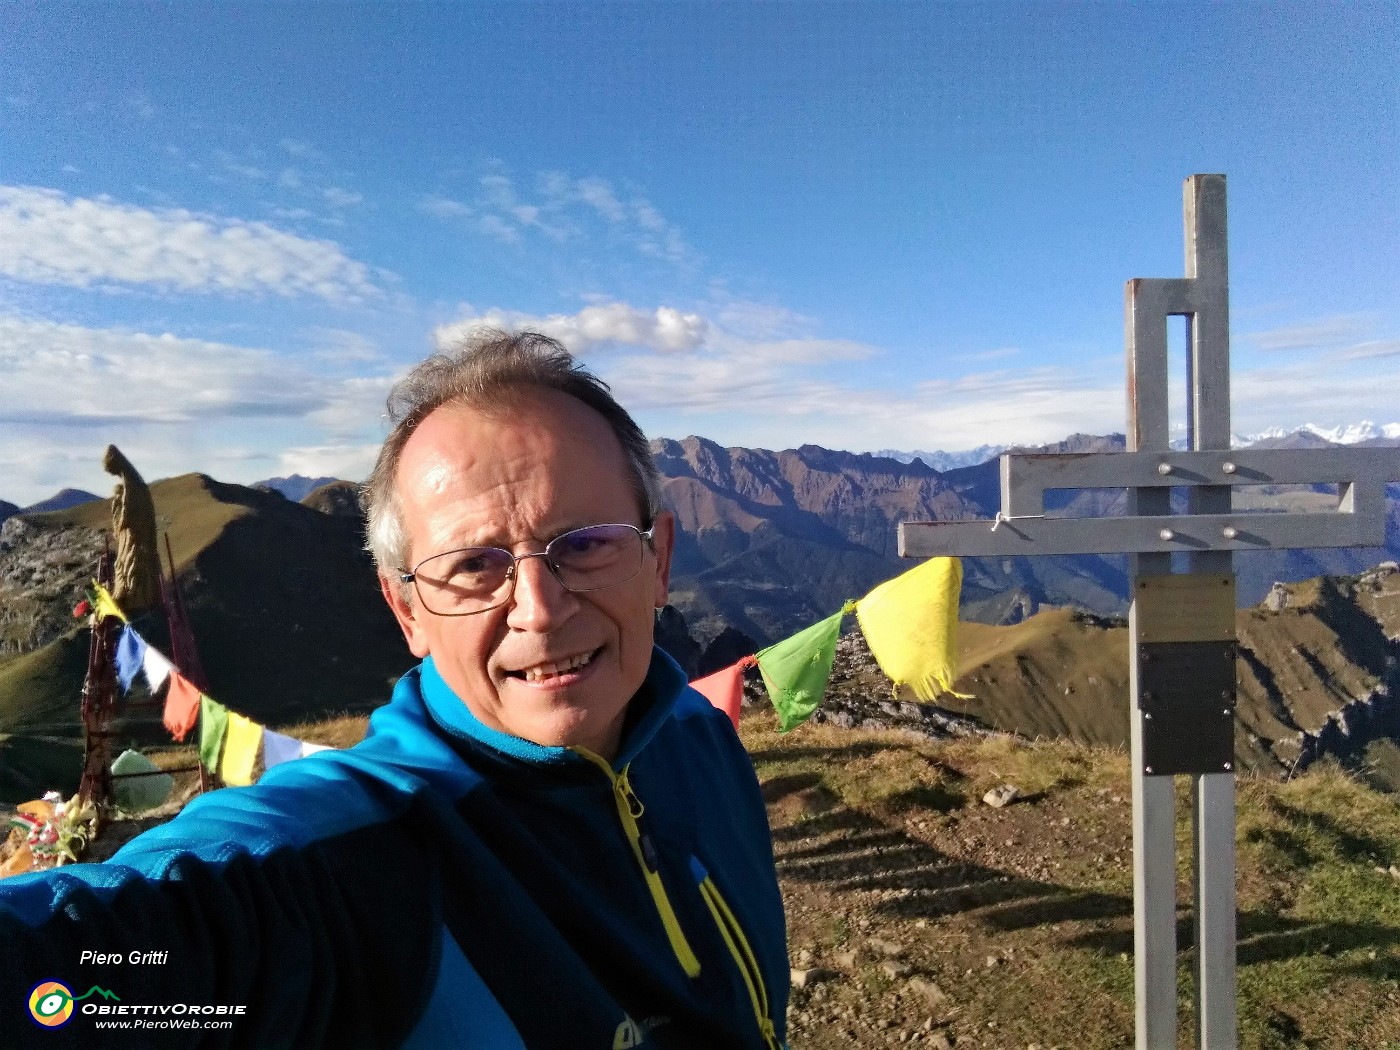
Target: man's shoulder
(321, 796)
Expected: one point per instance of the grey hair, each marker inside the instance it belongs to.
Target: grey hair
(486, 371)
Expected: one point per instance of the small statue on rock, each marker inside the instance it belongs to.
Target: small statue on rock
(136, 580)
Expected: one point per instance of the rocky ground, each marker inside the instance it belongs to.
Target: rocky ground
(931, 905)
(43, 571)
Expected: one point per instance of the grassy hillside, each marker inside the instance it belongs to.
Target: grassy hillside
(1325, 644)
(283, 601)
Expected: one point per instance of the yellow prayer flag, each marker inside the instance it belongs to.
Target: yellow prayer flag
(104, 605)
(911, 624)
(241, 742)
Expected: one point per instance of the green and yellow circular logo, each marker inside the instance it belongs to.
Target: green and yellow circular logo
(51, 1004)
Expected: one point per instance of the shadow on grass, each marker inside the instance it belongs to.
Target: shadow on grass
(1264, 938)
(847, 850)
(1308, 837)
(846, 752)
(778, 788)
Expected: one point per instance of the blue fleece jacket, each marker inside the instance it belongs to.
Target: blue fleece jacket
(440, 884)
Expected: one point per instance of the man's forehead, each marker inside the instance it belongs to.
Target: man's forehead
(464, 452)
(534, 419)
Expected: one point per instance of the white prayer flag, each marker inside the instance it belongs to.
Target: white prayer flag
(156, 667)
(308, 748)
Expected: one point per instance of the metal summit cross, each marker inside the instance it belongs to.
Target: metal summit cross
(1181, 625)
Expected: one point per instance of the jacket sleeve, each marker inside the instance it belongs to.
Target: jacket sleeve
(310, 903)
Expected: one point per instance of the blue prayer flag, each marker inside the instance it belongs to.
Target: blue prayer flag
(278, 749)
(131, 654)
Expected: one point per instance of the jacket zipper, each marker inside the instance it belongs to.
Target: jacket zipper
(630, 809)
(742, 952)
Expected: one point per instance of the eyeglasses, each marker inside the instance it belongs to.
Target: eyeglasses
(476, 579)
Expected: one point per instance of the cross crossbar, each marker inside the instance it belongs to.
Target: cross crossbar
(1022, 529)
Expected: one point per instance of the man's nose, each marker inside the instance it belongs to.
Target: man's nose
(540, 601)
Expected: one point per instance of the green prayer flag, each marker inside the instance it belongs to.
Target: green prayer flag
(796, 670)
(213, 724)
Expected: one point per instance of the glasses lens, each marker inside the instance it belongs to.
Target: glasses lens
(596, 557)
(464, 581)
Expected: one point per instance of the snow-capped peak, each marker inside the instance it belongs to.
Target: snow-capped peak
(1345, 434)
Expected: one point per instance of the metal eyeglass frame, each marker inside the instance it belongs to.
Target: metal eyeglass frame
(647, 536)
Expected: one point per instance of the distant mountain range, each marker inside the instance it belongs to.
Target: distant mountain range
(1309, 435)
(296, 488)
(942, 461)
(1361, 433)
(291, 625)
(60, 500)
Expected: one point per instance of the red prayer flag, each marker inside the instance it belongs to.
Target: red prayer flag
(181, 706)
(725, 688)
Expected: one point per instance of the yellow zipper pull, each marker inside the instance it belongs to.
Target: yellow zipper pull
(628, 796)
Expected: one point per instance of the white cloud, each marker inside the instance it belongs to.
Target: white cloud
(989, 355)
(1325, 333)
(234, 166)
(341, 198)
(755, 375)
(665, 329)
(179, 404)
(495, 226)
(760, 320)
(354, 405)
(565, 209)
(444, 207)
(1373, 348)
(340, 346)
(599, 196)
(1325, 395)
(67, 375)
(47, 237)
(300, 148)
(351, 462)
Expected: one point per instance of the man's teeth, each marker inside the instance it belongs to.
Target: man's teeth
(543, 671)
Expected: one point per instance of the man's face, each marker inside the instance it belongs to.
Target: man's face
(516, 479)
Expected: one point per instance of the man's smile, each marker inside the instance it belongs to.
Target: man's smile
(557, 672)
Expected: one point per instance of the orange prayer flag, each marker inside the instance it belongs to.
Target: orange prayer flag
(181, 706)
(725, 688)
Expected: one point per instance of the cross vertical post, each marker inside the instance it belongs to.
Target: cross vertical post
(1181, 623)
(1203, 298)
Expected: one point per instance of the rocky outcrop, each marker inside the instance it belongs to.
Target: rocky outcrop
(339, 499)
(859, 696)
(43, 572)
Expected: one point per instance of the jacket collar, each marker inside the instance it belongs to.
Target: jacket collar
(647, 711)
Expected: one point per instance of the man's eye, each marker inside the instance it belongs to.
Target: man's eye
(474, 563)
(477, 563)
(584, 544)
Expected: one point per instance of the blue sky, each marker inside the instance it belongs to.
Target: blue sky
(225, 228)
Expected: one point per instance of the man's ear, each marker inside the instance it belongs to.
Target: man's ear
(395, 593)
(663, 541)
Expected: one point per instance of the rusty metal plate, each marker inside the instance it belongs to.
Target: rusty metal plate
(1197, 607)
(1186, 691)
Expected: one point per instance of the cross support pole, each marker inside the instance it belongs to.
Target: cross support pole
(1181, 624)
